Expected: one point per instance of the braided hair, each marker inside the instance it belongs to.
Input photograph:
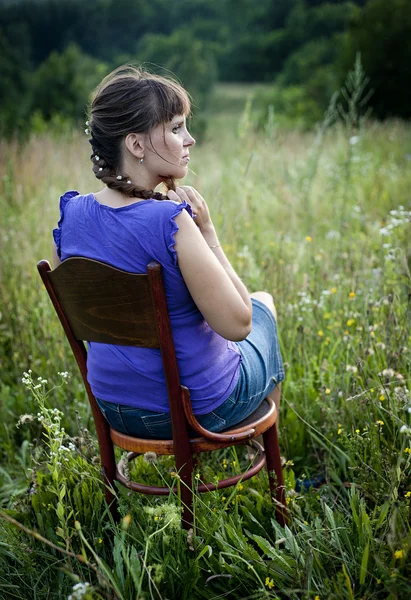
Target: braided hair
(130, 100)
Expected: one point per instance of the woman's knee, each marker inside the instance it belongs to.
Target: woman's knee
(266, 299)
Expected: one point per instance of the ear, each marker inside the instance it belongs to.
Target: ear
(134, 143)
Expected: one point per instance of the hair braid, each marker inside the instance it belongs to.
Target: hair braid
(105, 173)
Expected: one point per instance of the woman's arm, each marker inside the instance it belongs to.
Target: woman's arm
(215, 287)
(54, 257)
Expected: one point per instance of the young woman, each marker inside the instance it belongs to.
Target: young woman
(226, 340)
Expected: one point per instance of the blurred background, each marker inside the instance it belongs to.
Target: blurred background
(285, 57)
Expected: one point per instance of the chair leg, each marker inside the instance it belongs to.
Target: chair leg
(108, 471)
(275, 473)
(185, 471)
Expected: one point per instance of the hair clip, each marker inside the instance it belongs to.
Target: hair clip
(96, 157)
(101, 168)
(119, 177)
(128, 181)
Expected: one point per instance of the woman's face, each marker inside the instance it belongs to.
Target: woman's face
(167, 150)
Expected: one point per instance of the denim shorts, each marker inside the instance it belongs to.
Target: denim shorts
(261, 369)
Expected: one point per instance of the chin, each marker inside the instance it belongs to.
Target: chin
(178, 173)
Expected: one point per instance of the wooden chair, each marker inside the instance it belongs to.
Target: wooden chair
(99, 303)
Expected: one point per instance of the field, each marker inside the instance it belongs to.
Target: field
(321, 220)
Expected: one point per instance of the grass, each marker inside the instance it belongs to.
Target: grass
(322, 221)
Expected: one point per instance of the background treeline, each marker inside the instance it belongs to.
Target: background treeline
(53, 52)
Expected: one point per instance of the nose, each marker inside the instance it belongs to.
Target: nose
(190, 141)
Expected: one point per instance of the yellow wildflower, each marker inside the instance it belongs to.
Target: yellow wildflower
(320, 332)
(350, 322)
(339, 432)
(351, 295)
(333, 290)
(309, 238)
(269, 583)
(382, 397)
(317, 597)
(328, 391)
(398, 554)
(379, 422)
(357, 431)
(407, 450)
(407, 495)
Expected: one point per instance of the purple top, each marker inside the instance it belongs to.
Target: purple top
(129, 238)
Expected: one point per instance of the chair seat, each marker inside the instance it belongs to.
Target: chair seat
(261, 419)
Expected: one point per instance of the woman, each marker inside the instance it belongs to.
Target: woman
(226, 341)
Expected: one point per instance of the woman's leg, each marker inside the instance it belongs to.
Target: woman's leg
(268, 300)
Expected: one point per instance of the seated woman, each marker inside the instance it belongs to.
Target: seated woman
(226, 340)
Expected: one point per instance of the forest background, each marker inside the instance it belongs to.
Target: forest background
(53, 52)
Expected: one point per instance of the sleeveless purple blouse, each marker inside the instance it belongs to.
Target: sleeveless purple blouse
(129, 238)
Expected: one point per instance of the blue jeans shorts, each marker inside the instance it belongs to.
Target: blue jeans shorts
(261, 369)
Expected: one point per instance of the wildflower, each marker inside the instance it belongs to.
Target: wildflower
(381, 398)
(317, 597)
(126, 522)
(269, 583)
(398, 554)
(197, 475)
(407, 450)
(100, 540)
(379, 422)
(350, 322)
(380, 345)
(339, 432)
(150, 458)
(333, 290)
(387, 373)
(407, 495)
(351, 295)
(320, 332)
(309, 238)
(351, 369)
(405, 429)
(23, 419)
(357, 431)
(328, 391)
(79, 590)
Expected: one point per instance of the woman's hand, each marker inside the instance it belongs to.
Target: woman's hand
(197, 203)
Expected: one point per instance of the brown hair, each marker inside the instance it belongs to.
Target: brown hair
(130, 100)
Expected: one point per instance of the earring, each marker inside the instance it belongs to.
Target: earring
(141, 161)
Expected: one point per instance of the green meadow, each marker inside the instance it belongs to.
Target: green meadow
(321, 219)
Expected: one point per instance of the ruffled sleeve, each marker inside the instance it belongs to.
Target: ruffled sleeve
(64, 199)
(173, 227)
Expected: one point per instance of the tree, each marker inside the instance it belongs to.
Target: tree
(381, 34)
(62, 83)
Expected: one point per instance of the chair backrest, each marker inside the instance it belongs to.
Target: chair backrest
(99, 303)
(104, 304)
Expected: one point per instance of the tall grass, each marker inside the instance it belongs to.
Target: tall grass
(324, 224)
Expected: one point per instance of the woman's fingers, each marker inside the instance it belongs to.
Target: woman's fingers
(171, 195)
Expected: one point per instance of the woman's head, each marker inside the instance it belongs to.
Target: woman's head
(138, 132)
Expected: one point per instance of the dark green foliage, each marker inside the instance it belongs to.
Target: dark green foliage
(310, 44)
(381, 33)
